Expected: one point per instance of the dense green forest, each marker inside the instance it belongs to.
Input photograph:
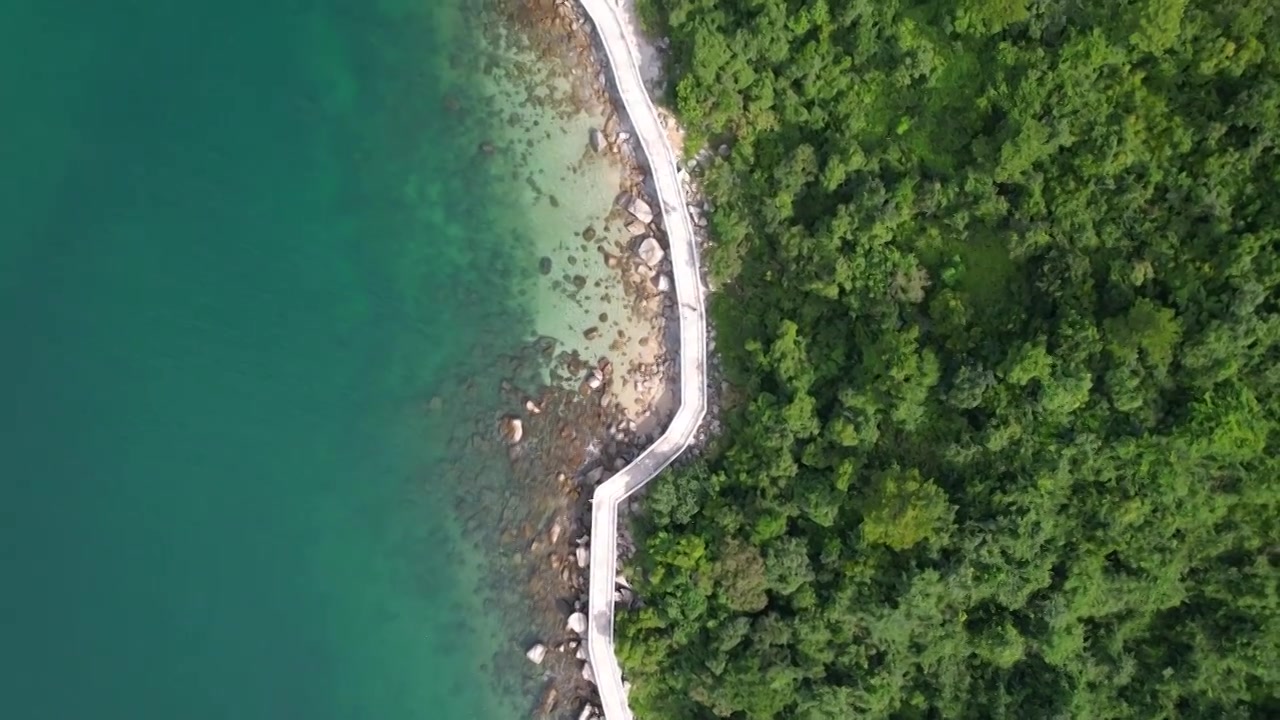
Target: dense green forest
(998, 297)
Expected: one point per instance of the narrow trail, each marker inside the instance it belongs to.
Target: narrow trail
(624, 68)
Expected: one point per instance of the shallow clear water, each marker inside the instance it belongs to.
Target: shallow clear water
(242, 246)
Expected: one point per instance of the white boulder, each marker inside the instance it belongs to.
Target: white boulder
(638, 208)
(536, 653)
(512, 429)
(650, 252)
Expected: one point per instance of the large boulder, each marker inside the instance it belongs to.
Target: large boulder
(638, 208)
(536, 653)
(650, 252)
(512, 429)
(577, 623)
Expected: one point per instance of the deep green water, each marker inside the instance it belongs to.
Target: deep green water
(242, 245)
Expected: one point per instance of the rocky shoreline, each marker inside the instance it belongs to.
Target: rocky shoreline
(562, 35)
(567, 421)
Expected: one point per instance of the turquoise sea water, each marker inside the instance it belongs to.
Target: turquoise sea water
(242, 245)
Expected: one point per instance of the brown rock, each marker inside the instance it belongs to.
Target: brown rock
(549, 701)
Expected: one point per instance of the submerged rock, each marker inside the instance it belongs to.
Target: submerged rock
(597, 140)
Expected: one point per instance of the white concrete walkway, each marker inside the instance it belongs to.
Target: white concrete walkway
(624, 67)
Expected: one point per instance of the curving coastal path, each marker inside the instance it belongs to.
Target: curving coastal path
(624, 67)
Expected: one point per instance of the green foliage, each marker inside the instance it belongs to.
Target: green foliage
(650, 15)
(1158, 23)
(902, 509)
(739, 577)
(986, 17)
(1000, 296)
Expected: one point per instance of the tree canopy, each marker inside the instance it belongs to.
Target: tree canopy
(999, 304)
